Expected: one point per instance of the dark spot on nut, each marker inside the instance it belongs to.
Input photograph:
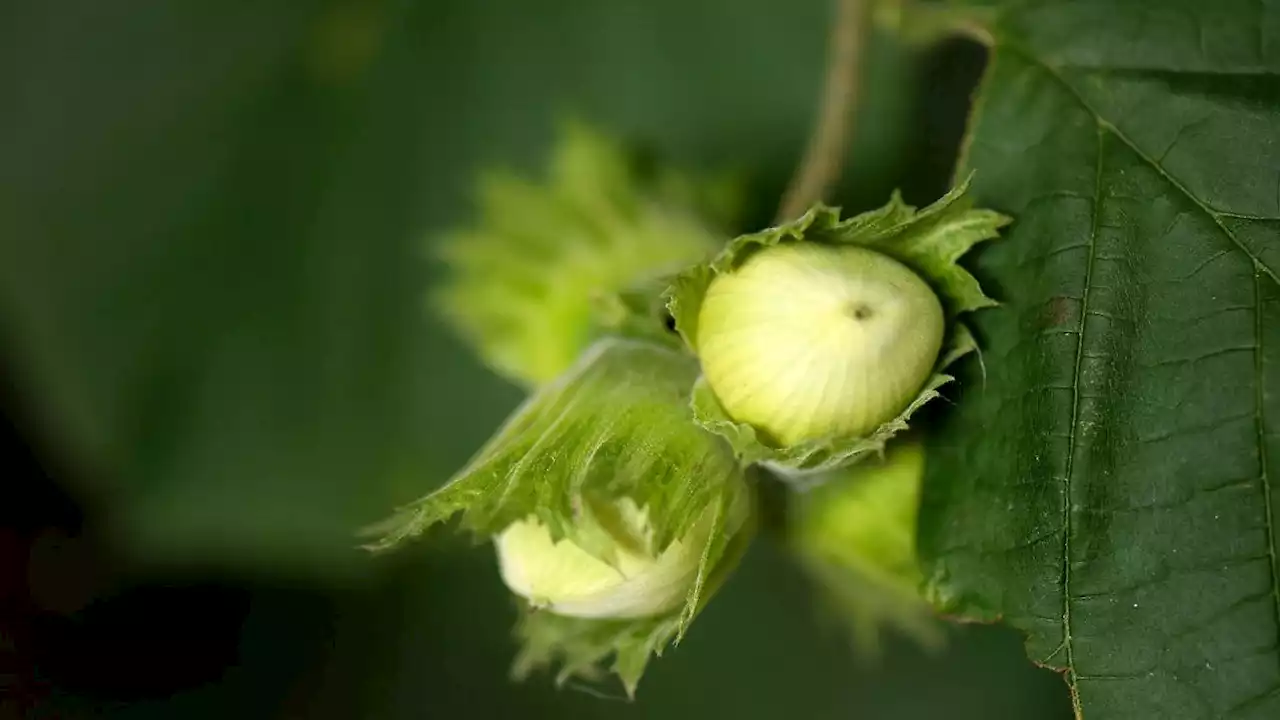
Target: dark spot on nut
(861, 311)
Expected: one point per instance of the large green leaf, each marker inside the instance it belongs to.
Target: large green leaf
(1109, 489)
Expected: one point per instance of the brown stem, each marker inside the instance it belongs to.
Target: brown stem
(829, 139)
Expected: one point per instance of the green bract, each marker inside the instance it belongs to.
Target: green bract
(819, 338)
(856, 533)
(523, 283)
(613, 511)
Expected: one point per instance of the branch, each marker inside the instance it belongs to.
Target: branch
(829, 139)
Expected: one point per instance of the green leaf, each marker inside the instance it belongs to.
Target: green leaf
(525, 282)
(929, 241)
(1110, 490)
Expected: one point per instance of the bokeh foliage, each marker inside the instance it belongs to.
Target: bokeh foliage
(211, 302)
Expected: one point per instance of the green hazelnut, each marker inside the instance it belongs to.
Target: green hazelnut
(564, 578)
(864, 517)
(806, 341)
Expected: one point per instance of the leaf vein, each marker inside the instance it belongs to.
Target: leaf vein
(1262, 446)
(1215, 215)
(1073, 435)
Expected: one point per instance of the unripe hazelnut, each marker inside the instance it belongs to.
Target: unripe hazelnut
(805, 341)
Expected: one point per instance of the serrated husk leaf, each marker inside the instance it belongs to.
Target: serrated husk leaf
(523, 284)
(639, 312)
(617, 424)
(929, 241)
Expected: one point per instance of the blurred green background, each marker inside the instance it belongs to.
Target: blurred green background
(214, 229)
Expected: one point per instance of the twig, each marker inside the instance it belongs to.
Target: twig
(827, 144)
